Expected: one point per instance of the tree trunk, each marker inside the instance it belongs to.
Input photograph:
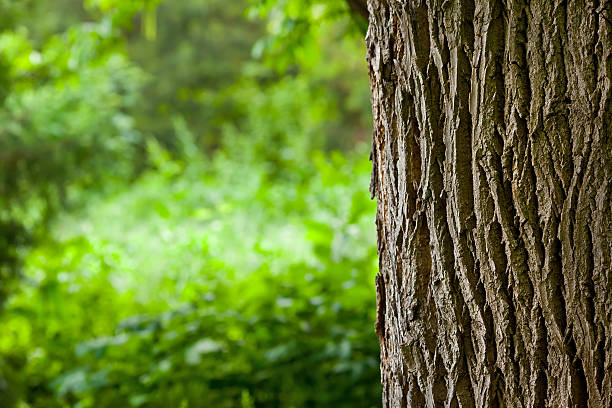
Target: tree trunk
(492, 172)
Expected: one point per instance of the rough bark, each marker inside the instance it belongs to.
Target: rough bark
(492, 172)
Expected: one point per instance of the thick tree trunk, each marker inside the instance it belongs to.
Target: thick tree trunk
(492, 171)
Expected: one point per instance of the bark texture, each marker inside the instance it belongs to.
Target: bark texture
(492, 172)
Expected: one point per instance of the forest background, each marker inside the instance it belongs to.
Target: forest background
(184, 214)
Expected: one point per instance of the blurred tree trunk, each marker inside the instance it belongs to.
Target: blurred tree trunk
(492, 172)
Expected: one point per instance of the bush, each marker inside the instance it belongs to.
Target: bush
(204, 300)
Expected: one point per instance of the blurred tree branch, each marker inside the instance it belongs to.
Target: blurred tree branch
(359, 13)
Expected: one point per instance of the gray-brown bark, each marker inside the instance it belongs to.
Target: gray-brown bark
(492, 172)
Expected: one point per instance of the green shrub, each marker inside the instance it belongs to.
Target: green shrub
(267, 300)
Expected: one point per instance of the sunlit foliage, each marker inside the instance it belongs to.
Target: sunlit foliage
(184, 215)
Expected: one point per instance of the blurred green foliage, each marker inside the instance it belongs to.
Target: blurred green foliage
(63, 120)
(184, 217)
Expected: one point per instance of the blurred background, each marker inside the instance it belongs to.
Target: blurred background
(184, 210)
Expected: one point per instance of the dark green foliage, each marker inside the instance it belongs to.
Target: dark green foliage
(200, 49)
